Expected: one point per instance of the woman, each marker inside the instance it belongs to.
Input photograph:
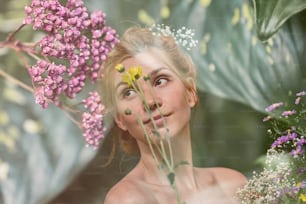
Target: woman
(168, 94)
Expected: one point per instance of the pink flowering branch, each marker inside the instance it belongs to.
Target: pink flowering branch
(68, 56)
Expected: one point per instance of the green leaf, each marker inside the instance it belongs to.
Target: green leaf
(271, 15)
(237, 66)
(48, 152)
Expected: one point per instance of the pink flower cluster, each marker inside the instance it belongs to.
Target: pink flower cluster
(70, 54)
(92, 121)
(52, 85)
(78, 41)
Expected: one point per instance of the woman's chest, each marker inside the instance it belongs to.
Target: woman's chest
(209, 195)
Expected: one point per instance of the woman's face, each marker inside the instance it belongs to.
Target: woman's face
(164, 89)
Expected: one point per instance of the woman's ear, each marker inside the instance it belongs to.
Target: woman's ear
(119, 122)
(192, 96)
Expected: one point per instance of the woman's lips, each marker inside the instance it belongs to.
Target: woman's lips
(158, 119)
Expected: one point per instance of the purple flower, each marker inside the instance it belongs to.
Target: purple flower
(298, 151)
(292, 143)
(303, 184)
(301, 170)
(297, 100)
(283, 139)
(265, 119)
(302, 93)
(274, 106)
(289, 112)
(279, 141)
(301, 142)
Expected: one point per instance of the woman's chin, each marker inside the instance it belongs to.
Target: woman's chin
(161, 133)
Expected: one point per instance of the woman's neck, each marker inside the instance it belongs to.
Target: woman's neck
(156, 172)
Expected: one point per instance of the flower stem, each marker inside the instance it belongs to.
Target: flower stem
(148, 139)
(169, 163)
(161, 148)
(164, 124)
(162, 152)
(177, 194)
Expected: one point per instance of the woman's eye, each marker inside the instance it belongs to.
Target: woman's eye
(160, 81)
(128, 93)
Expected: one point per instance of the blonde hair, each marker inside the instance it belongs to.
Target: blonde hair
(136, 40)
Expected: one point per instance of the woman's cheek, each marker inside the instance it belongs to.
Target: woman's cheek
(128, 112)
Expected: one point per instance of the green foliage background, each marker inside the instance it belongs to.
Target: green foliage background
(250, 55)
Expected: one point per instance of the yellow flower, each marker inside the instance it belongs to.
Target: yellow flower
(132, 75)
(119, 68)
(303, 197)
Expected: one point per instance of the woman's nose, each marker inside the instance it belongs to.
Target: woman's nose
(151, 101)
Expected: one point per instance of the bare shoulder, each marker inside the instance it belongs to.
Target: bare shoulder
(230, 174)
(227, 173)
(229, 179)
(218, 185)
(223, 174)
(121, 193)
(127, 191)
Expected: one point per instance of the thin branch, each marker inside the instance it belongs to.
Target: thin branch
(16, 81)
(70, 117)
(12, 35)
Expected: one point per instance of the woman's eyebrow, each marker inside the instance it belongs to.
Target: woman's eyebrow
(156, 71)
(121, 83)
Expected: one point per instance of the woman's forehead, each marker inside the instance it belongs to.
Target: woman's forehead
(152, 58)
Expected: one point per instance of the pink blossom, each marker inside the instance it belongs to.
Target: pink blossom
(92, 120)
(80, 40)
